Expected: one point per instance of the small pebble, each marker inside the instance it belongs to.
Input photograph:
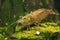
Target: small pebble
(37, 32)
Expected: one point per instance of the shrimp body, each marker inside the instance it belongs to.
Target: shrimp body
(35, 16)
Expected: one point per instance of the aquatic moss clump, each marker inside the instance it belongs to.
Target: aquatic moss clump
(45, 29)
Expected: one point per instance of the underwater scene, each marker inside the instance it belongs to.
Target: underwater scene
(29, 19)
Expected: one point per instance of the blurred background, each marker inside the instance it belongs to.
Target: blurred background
(10, 10)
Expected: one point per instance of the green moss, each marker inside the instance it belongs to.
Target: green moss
(46, 29)
(1, 37)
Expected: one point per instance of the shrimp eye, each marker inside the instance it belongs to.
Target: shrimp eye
(19, 23)
(24, 18)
